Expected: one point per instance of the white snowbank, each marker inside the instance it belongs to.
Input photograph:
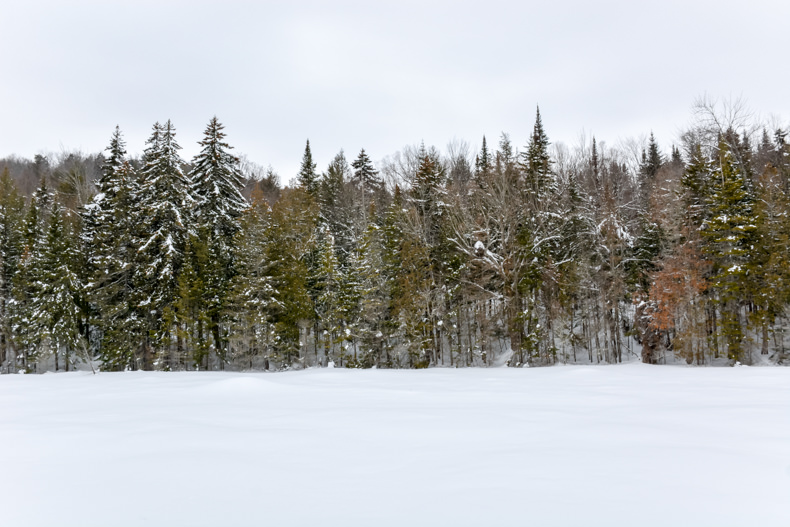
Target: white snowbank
(610, 446)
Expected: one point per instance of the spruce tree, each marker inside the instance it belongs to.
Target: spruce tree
(307, 178)
(366, 177)
(11, 242)
(729, 236)
(251, 300)
(23, 310)
(367, 181)
(216, 185)
(483, 165)
(652, 159)
(58, 292)
(165, 206)
(337, 206)
(535, 161)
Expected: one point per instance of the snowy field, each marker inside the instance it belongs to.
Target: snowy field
(629, 445)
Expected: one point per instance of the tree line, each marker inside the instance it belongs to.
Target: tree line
(498, 256)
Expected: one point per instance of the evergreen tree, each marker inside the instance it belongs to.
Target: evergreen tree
(307, 177)
(337, 208)
(483, 164)
(216, 186)
(290, 240)
(366, 177)
(11, 242)
(57, 313)
(252, 299)
(729, 236)
(23, 310)
(535, 161)
(114, 263)
(367, 181)
(652, 159)
(326, 285)
(165, 206)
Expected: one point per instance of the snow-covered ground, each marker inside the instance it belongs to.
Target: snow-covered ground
(629, 445)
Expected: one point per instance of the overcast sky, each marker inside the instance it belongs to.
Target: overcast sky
(377, 75)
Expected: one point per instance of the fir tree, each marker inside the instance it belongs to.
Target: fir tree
(535, 161)
(57, 301)
(483, 165)
(11, 242)
(252, 298)
(366, 177)
(23, 309)
(336, 204)
(165, 206)
(367, 181)
(307, 177)
(652, 159)
(216, 186)
(728, 234)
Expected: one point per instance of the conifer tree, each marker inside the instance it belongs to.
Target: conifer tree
(307, 177)
(769, 269)
(652, 159)
(367, 181)
(216, 186)
(535, 161)
(165, 206)
(336, 205)
(372, 293)
(11, 242)
(290, 240)
(23, 309)
(58, 316)
(326, 285)
(252, 297)
(483, 165)
(729, 236)
(366, 177)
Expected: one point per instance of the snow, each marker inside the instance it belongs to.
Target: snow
(611, 446)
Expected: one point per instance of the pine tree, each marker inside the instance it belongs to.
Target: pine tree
(114, 261)
(483, 165)
(367, 182)
(652, 159)
(337, 207)
(290, 240)
(535, 161)
(22, 309)
(252, 298)
(57, 313)
(307, 177)
(366, 177)
(729, 233)
(216, 186)
(769, 270)
(11, 241)
(165, 206)
(326, 290)
(371, 293)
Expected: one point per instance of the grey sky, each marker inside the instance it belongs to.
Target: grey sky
(375, 75)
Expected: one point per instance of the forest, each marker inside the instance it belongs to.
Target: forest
(497, 255)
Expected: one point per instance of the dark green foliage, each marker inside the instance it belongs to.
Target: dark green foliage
(307, 178)
(728, 233)
(535, 161)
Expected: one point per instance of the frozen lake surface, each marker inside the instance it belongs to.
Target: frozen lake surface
(629, 445)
